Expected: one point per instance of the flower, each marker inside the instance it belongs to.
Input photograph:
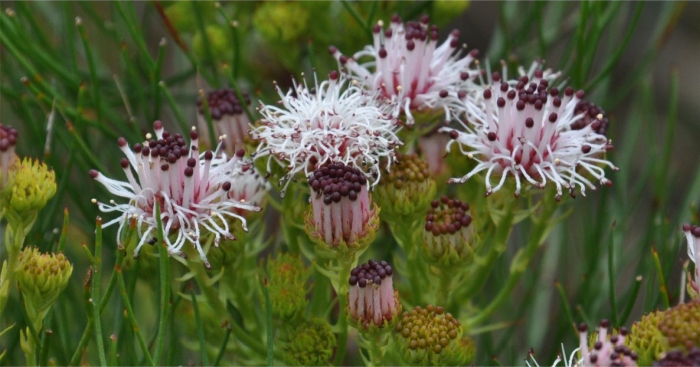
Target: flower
(342, 214)
(230, 121)
(525, 131)
(646, 340)
(192, 190)
(34, 185)
(430, 336)
(606, 351)
(406, 190)
(8, 140)
(409, 68)
(678, 358)
(372, 299)
(42, 278)
(311, 343)
(432, 146)
(448, 238)
(326, 123)
(692, 235)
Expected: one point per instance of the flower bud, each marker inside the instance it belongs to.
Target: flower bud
(406, 189)
(281, 22)
(287, 277)
(217, 40)
(310, 343)
(8, 159)
(180, 14)
(372, 299)
(342, 216)
(646, 340)
(41, 277)
(34, 185)
(448, 236)
(229, 119)
(430, 336)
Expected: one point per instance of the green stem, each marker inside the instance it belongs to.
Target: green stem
(95, 293)
(164, 265)
(342, 325)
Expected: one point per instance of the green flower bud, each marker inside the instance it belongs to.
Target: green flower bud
(646, 340)
(430, 336)
(287, 277)
(406, 190)
(449, 238)
(310, 343)
(34, 185)
(217, 40)
(281, 22)
(681, 326)
(41, 277)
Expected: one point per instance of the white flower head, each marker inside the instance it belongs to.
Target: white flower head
(410, 69)
(193, 190)
(692, 235)
(331, 122)
(606, 351)
(530, 131)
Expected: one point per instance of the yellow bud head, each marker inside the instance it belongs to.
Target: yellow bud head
(41, 277)
(309, 344)
(646, 340)
(281, 22)
(34, 185)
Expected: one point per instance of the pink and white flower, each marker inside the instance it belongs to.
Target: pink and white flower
(228, 117)
(331, 122)
(692, 235)
(523, 129)
(410, 70)
(193, 190)
(8, 140)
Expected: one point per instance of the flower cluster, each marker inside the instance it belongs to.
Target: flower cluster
(192, 190)
(409, 68)
(330, 122)
(448, 236)
(525, 129)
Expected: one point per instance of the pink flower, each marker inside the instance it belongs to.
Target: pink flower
(371, 297)
(409, 68)
(692, 235)
(228, 117)
(525, 129)
(192, 190)
(8, 140)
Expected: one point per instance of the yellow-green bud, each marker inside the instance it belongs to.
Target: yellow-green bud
(406, 190)
(34, 185)
(445, 11)
(287, 277)
(646, 340)
(181, 16)
(41, 277)
(281, 22)
(431, 336)
(310, 343)
(217, 40)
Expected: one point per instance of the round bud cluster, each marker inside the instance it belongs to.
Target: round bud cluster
(427, 335)
(676, 358)
(8, 138)
(406, 189)
(371, 298)
(646, 340)
(681, 326)
(448, 236)
(223, 102)
(287, 277)
(34, 184)
(42, 277)
(591, 115)
(337, 181)
(311, 343)
(606, 351)
(371, 272)
(447, 216)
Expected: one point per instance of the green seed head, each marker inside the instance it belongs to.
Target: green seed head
(287, 277)
(406, 189)
(42, 277)
(310, 343)
(681, 326)
(34, 185)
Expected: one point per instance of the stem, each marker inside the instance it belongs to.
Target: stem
(164, 264)
(345, 265)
